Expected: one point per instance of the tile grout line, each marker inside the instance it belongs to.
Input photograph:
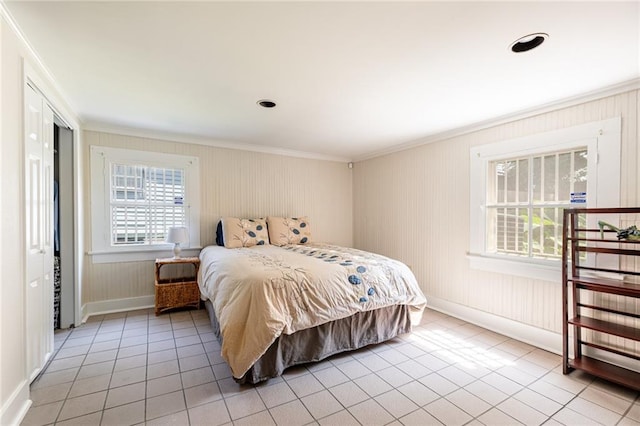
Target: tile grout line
(636, 400)
(146, 367)
(335, 363)
(115, 362)
(64, 403)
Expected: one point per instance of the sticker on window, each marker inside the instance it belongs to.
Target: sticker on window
(178, 201)
(578, 197)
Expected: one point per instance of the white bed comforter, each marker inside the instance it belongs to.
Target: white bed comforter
(261, 292)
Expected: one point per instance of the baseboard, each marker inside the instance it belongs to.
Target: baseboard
(543, 339)
(116, 305)
(16, 407)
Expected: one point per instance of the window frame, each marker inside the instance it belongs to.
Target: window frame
(602, 139)
(102, 249)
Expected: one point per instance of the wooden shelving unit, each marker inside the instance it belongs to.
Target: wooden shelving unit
(584, 287)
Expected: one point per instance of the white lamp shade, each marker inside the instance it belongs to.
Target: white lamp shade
(178, 235)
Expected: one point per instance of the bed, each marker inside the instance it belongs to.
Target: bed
(273, 307)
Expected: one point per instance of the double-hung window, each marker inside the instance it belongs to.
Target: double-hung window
(144, 202)
(520, 187)
(525, 199)
(136, 197)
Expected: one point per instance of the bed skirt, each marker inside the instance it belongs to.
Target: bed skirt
(317, 343)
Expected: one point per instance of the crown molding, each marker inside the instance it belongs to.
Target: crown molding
(518, 115)
(200, 140)
(601, 93)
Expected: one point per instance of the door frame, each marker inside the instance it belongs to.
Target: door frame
(55, 99)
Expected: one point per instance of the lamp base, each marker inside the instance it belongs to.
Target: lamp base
(176, 251)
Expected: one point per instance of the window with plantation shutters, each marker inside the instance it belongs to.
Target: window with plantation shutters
(520, 187)
(136, 197)
(145, 202)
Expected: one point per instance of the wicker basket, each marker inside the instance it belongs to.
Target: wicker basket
(176, 293)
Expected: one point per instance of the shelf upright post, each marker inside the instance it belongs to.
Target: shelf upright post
(575, 259)
(565, 282)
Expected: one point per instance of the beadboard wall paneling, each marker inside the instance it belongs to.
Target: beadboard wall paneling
(413, 205)
(233, 183)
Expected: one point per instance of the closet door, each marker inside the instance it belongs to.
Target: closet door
(47, 226)
(39, 230)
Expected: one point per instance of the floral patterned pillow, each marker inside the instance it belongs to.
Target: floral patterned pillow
(244, 232)
(289, 230)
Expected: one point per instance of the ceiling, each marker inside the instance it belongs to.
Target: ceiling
(350, 78)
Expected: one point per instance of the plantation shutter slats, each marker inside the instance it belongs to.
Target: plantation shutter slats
(145, 202)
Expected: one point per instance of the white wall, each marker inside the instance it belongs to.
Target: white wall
(414, 205)
(233, 183)
(13, 386)
(14, 58)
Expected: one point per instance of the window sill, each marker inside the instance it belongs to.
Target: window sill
(540, 270)
(139, 255)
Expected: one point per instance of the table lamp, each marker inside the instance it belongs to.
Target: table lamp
(177, 235)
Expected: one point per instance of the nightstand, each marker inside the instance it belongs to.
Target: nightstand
(177, 292)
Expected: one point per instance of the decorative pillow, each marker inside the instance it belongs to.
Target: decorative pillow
(219, 235)
(244, 232)
(289, 230)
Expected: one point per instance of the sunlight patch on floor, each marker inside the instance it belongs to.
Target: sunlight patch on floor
(459, 350)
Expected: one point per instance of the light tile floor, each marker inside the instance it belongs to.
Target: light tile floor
(132, 368)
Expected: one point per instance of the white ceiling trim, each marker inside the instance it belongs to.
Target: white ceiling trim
(180, 138)
(615, 89)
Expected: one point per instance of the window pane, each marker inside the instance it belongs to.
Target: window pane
(166, 186)
(162, 218)
(580, 174)
(552, 232)
(536, 232)
(549, 178)
(523, 181)
(522, 232)
(511, 229)
(566, 176)
(511, 169)
(492, 233)
(126, 182)
(501, 241)
(537, 179)
(500, 182)
(129, 224)
(511, 225)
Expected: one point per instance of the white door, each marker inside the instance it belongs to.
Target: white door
(47, 226)
(39, 229)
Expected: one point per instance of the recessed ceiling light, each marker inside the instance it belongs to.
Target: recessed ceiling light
(528, 42)
(266, 103)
